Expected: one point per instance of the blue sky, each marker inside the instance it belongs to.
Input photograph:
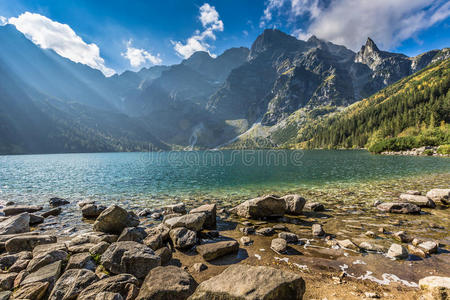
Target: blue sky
(117, 35)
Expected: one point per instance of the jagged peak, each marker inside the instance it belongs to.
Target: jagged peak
(370, 45)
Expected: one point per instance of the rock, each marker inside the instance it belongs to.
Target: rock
(294, 204)
(210, 213)
(314, 206)
(417, 241)
(165, 254)
(124, 284)
(44, 259)
(183, 238)
(71, 283)
(18, 209)
(190, 221)
(27, 243)
(161, 229)
(170, 216)
(145, 212)
(429, 247)
(5, 295)
(402, 236)
(399, 208)
(288, 236)
(420, 201)
(438, 287)
(49, 273)
(167, 283)
(80, 248)
(416, 251)
(251, 283)
(213, 251)
(7, 281)
(261, 207)
(370, 234)
(266, 231)
(246, 241)
(440, 195)
(198, 267)
(156, 216)
(130, 257)
(101, 272)
(83, 203)
(99, 248)
(154, 241)
(370, 247)
(92, 211)
(247, 230)
(135, 234)
(15, 224)
(52, 212)
(19, 265)
(54, 202)
(36, 219)
(178, 208)
(108, 296)
(280, 227)
(34, 291)
(81, 261)
(347, 244)
(377, 202)
(317, 230)
(278, 245)
(397, 251)
(114, 219)
(413, 192)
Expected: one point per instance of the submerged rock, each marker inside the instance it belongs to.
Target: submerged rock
(114, 219)
(213, 251)
(261, 207)
(314, 206)
(55, 201)
(399, 208)
(420, 201)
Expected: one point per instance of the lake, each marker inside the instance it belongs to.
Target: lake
(157, 177)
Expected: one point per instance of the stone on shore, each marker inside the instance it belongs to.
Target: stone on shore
(440, 195)
(437, 287)
(154, 241)
(183, 238)
(91, 211)
(49, 273)
(178, 208)
(347, 244)
(429, 247)
(52, 212)
(165, 254)
(18, 209)
(44, 259)
(124, 284)
(413, 192)
(288, 236)
(397, 251)
(27, 243)
(294, 204)
(403, 237)
(108, 296)
(399, 208)
(210, 211)
(15, 224)
(416, 251)
(167, 283)
(278, 245)
(81, 261)
(261, 207)
(251, 283)
(317, 230)
(55, 202)
(213, 251)
(131, 258)
(35, 291)
(7, 281)
(36, 219)
(71, 283)
(199, 267)
(418, 200)
(314, 206)
(99, 248)
(265, 231)
(135, 234)
(245, 241)
(190, 221)
(5, 295)
(114, 219)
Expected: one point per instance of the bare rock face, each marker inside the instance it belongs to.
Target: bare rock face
(399, 208)
(167, 283)
(71, 283)
(251, 283)
(210, 211)
(16, 224)
(131, 258)
(265, 206)
(440, 195)
(294, 204)
(114, 219)
(213, 251)
(124, 284)
(418, 200)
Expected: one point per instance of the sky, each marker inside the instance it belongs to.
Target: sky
(116, 35)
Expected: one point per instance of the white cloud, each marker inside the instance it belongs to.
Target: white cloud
(211, 23)
(3, 21)
(139, 57)
(61, 38)
(350, 22)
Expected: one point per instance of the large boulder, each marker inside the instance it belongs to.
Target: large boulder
(136, 234)
(261, 207)
(114, 219)
(212, 251)
(44, 259)
(190, 221)
(439, 195)
(28, 242)
(399, 208)
(167, 283)
(251, 283)
(49, 273)
(7, 281)
(418, 200)
(210, 211)
(35, 291)
(124, 284)
(91, 210)
(15, 224)
(71, 283)
(18, 209)
(183, 238)
(130, 257)
(437, 287)
(81, 261)
(294, 204)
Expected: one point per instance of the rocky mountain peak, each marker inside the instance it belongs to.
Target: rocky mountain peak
(370, 45)
(272, 39)
(369, 54)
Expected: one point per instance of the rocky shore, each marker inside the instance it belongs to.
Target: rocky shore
(269, 247)
(422, 151)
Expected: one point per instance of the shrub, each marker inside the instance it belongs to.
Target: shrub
(444, 149)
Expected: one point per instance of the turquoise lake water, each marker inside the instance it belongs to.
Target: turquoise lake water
(167, 175)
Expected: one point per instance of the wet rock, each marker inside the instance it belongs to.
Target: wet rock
(35, 291)
(36, 219)
(154, 241)
(190, 221)
(18, 209)
(294, 204)
(437, 287)
(167, 283)
(183, 238)
(135, 234)
(261, 207)
(44, 259)
(124, 284)
(92, 211)
(418, 200)
(317, 230)
(248, 282)
(81, 261)
(165, 254)
(55, 201)
(213, 251)
(156, 216)
(347, 244)
(49, 273)
(278, 245)
(178, 208)
(288, 236)
(314, 206)
(15, 224)
(402, 236)
(52, 212)
(246, 241)
(198, 267)
(429, 247)
(27, 243)
(266, 231)
(397, 251)
(145, 212)
(71, 283)
(247, 230)
(399, 208)
(210, 212)
(280, 227)
(416, 251)
(7, 281)
(439, 195)
(114, 219)
(83, 203)
(130, 257)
